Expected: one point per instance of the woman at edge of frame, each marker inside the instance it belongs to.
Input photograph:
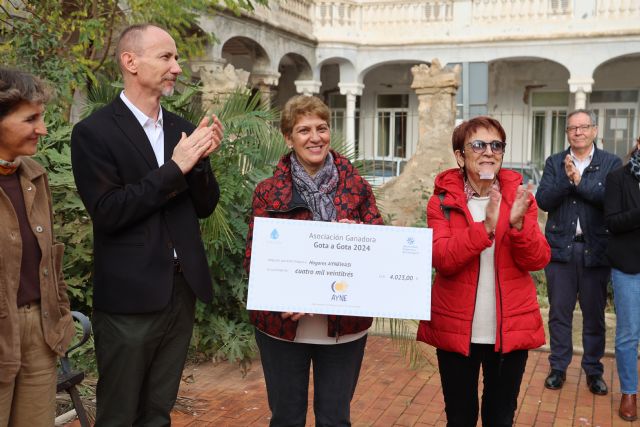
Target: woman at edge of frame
(622, 217)
(35, 321)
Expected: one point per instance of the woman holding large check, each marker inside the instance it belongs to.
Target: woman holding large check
(311, 182)
(484, 309)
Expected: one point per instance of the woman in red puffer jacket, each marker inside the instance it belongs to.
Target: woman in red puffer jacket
(484, 309)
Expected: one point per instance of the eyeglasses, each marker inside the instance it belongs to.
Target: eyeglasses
(479, 147)
(583, 128)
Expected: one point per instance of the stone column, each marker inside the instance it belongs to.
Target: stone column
(307, 87)
(351, 90)
(265, 82)
(405, 196)
(218, 81)
(581, 86)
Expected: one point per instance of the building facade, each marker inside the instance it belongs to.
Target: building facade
(525, 62)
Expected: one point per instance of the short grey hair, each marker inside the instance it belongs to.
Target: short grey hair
(18, 86)
(129, 40)
(590, 113)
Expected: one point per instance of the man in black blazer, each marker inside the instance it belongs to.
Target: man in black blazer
(145, 183)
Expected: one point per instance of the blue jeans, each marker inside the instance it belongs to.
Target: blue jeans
(626, 293)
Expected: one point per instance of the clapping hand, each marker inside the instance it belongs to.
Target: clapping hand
(520, 206)
(204, 140)
(492, 211)
(571, 170)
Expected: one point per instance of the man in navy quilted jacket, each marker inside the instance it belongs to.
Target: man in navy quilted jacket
(572, 192)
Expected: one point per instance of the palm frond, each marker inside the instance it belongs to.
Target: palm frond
(217, 229)
(250, 148)
(403, 336)
(248, 122)
(100, 94)
(244, 112)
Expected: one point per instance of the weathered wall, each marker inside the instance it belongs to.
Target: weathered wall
(404, 197)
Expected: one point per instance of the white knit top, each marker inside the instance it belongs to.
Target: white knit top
(483, 330)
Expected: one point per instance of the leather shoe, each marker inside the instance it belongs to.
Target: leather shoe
(555, 379)
(597, 385)
(628, 410)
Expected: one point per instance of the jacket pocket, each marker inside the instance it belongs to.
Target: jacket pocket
(554, 228)
(136, 238)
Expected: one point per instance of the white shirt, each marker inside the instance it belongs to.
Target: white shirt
(483, 328)
(154, 131)
(153, 128)
(581, 165)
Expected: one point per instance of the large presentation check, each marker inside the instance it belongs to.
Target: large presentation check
(337, 268)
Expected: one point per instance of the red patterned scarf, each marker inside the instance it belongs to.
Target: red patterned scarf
(9, 168)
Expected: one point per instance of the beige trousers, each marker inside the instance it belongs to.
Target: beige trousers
(30, 400)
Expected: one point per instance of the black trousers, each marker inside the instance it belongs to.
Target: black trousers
(502, 377)
(140, 360)
(566, 283)
(286, 372)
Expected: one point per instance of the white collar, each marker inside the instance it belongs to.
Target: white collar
(589, 157)
(140, 116)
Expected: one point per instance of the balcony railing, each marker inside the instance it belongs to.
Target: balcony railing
(293, 15)
(618, 8)
(299, 10)
(405, 13)
(389, 22)
(336, 13)
(519, 10)
(371, 15)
